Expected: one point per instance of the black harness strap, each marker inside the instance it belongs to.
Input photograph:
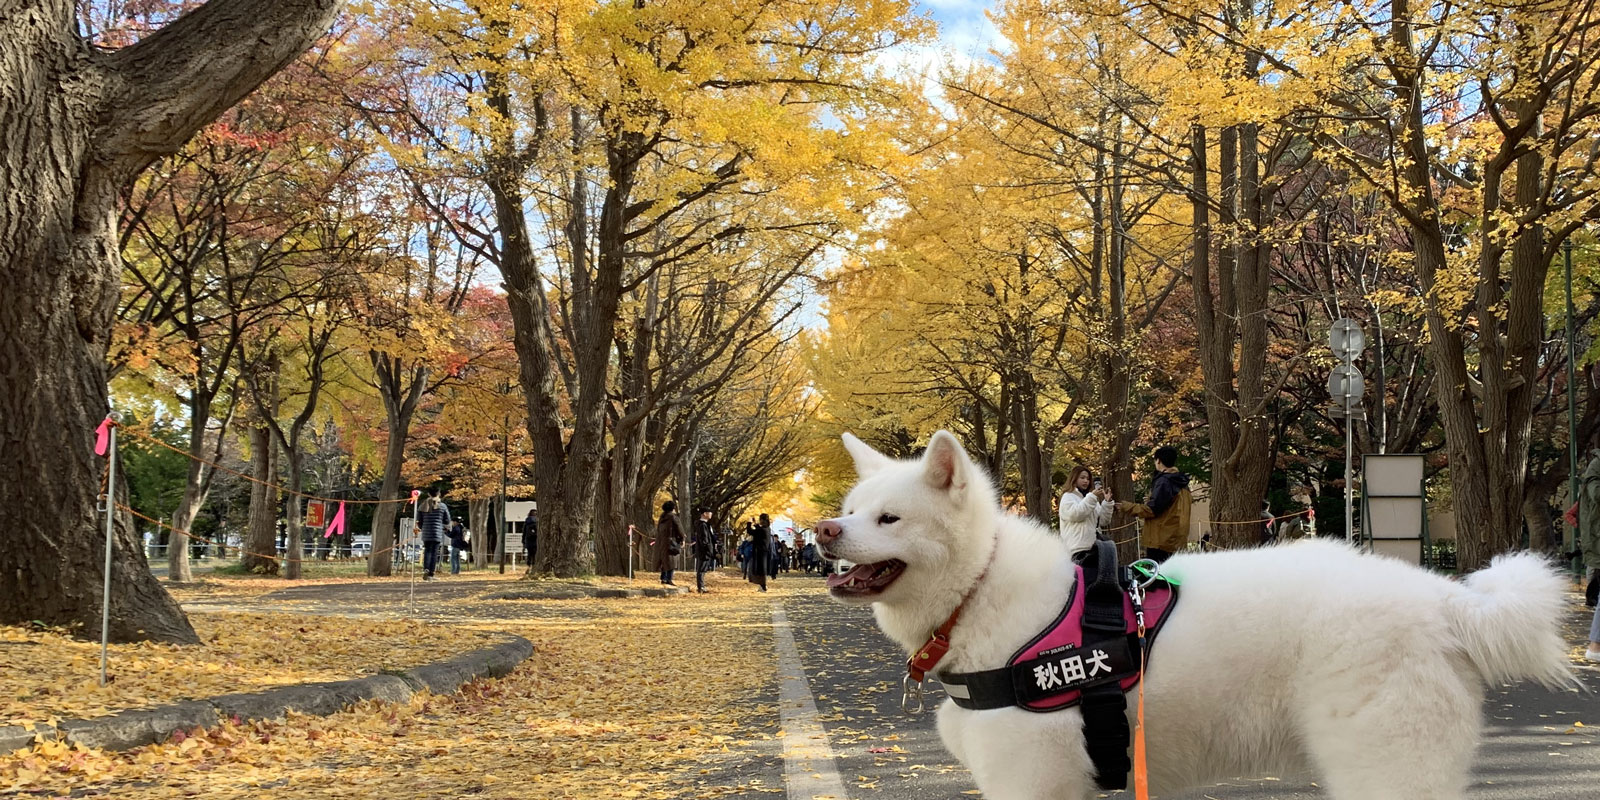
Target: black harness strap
(1017, 685)
(1105, 707)
(1102, 703)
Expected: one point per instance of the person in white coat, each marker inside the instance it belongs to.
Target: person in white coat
(1085, 509)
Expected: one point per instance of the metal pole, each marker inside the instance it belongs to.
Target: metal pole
(1349, 484)
(111, 508)
(416, 532)
(1572, 393)
(630, 552)
(505, 524)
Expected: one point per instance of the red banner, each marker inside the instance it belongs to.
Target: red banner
(315, 510)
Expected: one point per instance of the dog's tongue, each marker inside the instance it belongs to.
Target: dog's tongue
(862, 571)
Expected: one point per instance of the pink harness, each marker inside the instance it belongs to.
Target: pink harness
(1066, 634)
(1052, 670)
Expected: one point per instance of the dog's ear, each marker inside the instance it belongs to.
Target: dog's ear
(945, 464)
(867, 459)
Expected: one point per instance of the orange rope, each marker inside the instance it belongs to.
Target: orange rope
(187, 535)
(253, 479)
(1262, 520)
(1208, 546)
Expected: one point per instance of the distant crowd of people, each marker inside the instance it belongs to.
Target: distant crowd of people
(761, 554)
(438, 529)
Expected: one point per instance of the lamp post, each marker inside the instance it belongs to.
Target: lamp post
(1345, 386)
(505, 457)
(1572, 393)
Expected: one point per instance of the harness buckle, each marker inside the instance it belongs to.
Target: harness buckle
(910, 695)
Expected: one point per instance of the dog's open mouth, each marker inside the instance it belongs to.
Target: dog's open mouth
(866, 580)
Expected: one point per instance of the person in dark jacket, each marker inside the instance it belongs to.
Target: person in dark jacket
(432, 522)
(774, 552)
(669, 540)
(1589, 548)
(760, 554)
(703, 546)
(1166, 510)
(530, 536)
(458, 544)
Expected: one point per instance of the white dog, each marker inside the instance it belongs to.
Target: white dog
(1304, 659)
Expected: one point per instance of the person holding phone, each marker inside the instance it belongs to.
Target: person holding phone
(1086, 508)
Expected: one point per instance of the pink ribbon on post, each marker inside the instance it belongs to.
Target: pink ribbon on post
(102, 437)
(415, 493)
(335, 525)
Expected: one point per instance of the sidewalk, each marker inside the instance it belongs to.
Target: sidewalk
(625, 698)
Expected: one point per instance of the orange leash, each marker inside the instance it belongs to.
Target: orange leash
(1141, 773)
(1141, 776)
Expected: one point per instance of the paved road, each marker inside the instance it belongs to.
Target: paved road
(853, 674)
(836, 703)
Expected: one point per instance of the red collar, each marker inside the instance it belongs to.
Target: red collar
(932, 651)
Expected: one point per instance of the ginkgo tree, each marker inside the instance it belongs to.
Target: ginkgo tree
(645, 134)
(102, 117)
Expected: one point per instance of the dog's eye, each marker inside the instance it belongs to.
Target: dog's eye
(888, 519)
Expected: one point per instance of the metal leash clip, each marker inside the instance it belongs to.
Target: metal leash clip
(1145, 572)
(910, 695)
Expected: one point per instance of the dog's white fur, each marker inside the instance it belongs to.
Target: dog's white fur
(1304, 659)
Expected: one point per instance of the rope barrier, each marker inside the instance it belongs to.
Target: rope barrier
(252, 478)
(1207, 545)
(1263, 520)
(196, 537)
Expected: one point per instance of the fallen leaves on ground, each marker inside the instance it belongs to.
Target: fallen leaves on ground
(635, 698)
(46, 675)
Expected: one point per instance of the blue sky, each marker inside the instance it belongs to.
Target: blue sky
(964, 31)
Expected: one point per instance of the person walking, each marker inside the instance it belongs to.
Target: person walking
(703, 547)
(1589, 544)
(774, 547)
(432, 521)
(530, 536)
(458, 544)
(668, 541)
(1085, 509)
(1166, 510)
(760, 553)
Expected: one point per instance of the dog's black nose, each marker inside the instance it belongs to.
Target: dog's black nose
(829, 531)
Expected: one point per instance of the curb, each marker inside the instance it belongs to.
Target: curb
(131, 729)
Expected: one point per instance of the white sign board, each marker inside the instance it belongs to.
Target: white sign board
(1395, 506)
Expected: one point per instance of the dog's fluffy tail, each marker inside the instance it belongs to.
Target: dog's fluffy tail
(1509, 621)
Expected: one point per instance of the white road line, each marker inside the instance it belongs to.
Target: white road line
(809, 771)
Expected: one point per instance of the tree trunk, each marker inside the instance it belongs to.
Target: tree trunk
(1247, 467)
(196, 485)
(611, 538)
(400, 401)
(261, 540)
(386, 516)
(1543, 534)
(182, 520)
(75, 126)
(566, 469)
(479, 523)
(1486, 435)
(293, 554)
